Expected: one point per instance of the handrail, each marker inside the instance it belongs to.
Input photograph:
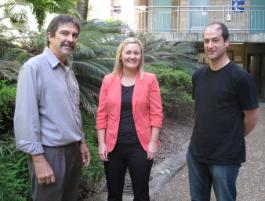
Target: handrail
(193, 19)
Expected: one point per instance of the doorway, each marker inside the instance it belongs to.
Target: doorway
(256, 67)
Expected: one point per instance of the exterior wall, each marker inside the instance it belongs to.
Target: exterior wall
(175, 18)
(231, 18)
(184, 16)
(127, 13)
(99, 9)
(113, 9)
(241, 20)
(194, 37)
(141, 2)
(141, 19)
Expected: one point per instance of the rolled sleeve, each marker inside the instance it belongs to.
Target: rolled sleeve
(156, 114)
(26, 118)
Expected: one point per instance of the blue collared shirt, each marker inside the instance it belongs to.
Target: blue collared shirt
(47, 105)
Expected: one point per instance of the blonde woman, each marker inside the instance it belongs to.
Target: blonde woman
(129, 119)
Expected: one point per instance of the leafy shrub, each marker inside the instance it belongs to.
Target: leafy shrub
(7, 105)
(176, 89)
(37, 42)
(92, 174)
(178, 55)
(14, 177)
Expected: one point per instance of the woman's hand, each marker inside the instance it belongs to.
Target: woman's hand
(102, 151)
(102, 148)
(152, 146)
(152, 150)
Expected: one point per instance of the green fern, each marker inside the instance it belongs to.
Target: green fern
(94, 58)
(9, 69)
(159, 52)
(14, 177)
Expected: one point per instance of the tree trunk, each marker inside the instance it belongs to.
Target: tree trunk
(82, 8)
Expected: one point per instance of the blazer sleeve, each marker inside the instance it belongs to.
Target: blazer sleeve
(101, 117)
(156, 114)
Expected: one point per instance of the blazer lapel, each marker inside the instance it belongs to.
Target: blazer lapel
(117, 91)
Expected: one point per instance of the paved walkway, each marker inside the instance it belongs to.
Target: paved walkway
(170, 179)
(251, 180)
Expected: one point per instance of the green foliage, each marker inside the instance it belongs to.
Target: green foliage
(94, 58)
(41, 7)
(15, 54)
(36, 43)
(176, 88)
(9, 70)
(11, 59)
(4, 44)
(14, 177)
(180, 55)
(16, 12)
(95, 170)
(17, 17)
(7, 105)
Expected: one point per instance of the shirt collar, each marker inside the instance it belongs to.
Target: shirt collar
(52, 59)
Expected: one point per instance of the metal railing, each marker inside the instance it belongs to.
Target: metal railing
(194, 18)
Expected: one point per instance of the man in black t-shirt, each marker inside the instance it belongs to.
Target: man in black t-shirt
(226, 110)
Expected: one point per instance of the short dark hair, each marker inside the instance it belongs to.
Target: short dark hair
(224, 29)
(59, 20)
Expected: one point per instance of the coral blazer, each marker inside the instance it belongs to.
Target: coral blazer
(146, 108)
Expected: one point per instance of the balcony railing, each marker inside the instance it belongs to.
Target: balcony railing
(248, 19)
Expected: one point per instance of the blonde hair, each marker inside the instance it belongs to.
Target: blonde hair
(117, 70)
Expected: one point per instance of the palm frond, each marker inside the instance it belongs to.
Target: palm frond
(88, 100)
(11, 59)
(15, 54)
(176, 55)
(91, 68)
(94, 58)
(9, 69)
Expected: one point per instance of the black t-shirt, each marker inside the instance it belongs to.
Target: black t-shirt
(127, 131)
(220, 98)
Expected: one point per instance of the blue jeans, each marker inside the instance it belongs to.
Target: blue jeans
(202, 177)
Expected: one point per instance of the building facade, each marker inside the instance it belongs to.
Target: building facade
(184, 20)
